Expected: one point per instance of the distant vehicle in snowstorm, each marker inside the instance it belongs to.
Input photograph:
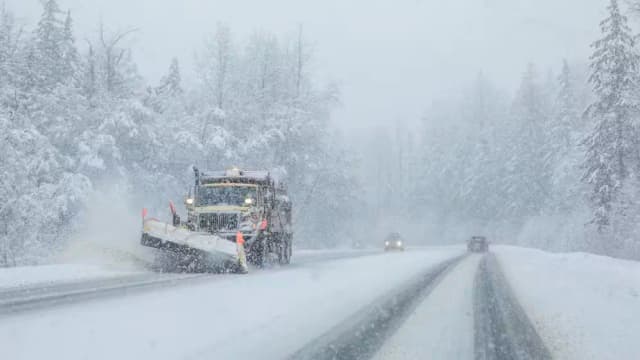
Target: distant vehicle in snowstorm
(394, 241)
(356, 244)
(478, 244)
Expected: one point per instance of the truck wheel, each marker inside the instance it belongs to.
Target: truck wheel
(284, 254)
(263, 254)
(286, 250)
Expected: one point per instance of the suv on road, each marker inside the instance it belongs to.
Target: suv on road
(478, 244)
(393, 241)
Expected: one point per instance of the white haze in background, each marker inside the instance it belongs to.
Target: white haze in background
(391, 58)
(392, 61)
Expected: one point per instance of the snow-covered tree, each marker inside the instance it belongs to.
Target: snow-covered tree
(69, 52)
(171, 84)
(566, 129)
(49, 40)
(118, 73)
(567, 114)
(529, 170)
(612, 145)
(216, 66)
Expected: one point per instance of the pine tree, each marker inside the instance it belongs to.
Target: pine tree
(611, 145)
(69, 52)
(49, 43)
(566, 130)
(166, 94)
(89, 75)
(566, 119)
(171, 83)
(9, 43)
(528, 180)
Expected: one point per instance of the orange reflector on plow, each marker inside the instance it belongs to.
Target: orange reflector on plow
(239, 238)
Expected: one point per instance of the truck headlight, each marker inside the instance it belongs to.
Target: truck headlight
(399, 243)
(386, 243)
(188, 201)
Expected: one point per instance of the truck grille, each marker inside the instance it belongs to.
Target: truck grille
(218, 222)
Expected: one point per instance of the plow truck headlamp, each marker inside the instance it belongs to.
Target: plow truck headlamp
(386, 243)
(233, 172)
(188, 201)
(399, 243)
(248, 201)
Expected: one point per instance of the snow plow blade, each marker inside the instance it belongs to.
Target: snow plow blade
(208, 250)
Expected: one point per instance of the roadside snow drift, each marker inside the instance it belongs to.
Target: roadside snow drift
(31, 276)
(583, 306)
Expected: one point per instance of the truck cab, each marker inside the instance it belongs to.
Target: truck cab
(249, 204)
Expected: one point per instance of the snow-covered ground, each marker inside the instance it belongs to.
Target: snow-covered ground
(103, 263)
(30, 276)
(441, 327)
(267, 314)
(583, 306)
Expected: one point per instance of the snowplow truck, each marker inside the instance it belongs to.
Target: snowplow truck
(233, 216)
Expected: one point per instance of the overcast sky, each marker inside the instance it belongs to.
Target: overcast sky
(391, 58)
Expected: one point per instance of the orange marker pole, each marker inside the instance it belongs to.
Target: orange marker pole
(144, 216)
(242, 256)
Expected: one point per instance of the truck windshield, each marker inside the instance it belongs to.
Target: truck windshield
(225, 195)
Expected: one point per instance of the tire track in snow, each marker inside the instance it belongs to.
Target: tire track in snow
(502, 329)
(360, 336)
(35, 298)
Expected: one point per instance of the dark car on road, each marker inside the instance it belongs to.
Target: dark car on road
(478, 244)
(394, 241)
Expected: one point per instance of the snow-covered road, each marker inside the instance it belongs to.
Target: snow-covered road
(423, 303)
(31, 287)
(267, 314)
(442, 325)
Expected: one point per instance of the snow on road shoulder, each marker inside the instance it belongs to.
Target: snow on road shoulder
(441, 327)
(266, 315)
(583, 306)
(29, 276)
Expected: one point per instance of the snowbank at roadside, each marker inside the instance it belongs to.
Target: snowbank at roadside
(28, 276)
(584, 306)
